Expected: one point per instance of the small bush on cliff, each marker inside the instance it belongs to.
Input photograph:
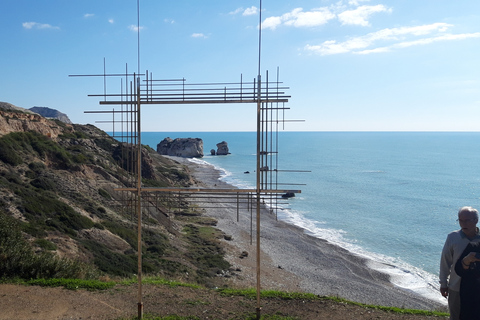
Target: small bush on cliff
(206, 251)
(45, 212)
(14, 144)
(18, 260)
(7, 152)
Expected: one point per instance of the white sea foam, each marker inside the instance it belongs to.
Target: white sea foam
(401, 273)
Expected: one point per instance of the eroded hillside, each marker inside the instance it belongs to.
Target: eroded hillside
(58, 188)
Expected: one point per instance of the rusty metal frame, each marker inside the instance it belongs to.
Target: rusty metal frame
(270, 99)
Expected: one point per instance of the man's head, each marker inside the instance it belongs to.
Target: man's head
(468, 219)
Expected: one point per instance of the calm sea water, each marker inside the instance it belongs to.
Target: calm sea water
(390, 196)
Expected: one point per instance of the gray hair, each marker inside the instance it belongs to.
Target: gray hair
(472, 211)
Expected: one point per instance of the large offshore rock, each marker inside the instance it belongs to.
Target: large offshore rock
(181, 147)
(222, 148)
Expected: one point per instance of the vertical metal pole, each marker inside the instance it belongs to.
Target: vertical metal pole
(259, 103)
(139, 203)
(139, 171)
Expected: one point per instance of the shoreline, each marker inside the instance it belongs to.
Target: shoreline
(292, 260)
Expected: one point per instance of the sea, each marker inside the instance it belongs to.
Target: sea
(391, 197)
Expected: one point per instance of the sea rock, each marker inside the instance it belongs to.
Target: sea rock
(222, 148)
(212, 152)
(181, 147)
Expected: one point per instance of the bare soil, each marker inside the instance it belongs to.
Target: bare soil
(121, 302)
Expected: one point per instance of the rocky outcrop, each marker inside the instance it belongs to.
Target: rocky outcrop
(16, 119)
(51, 114)
(181, 147)
(222, 148)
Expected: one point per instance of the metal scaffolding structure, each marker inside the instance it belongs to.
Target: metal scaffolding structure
(138, 90)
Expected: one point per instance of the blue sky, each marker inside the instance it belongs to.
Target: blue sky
(351, 65)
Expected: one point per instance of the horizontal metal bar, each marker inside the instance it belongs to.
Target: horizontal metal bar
(195, 101)
(220, 94)
(107, 75)
(212, 191)
(110, 111)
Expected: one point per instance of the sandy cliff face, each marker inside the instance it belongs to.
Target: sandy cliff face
(15, 121)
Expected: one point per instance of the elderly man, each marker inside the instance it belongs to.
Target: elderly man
(453, 248)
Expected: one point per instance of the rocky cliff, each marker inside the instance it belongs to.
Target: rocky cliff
(16, 119)
(59, 184)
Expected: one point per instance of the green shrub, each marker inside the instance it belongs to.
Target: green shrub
(128, 234)
(45, 244)
(206, 251)
(104, 194)
(111, 262)
(44, 183)
(18, 260)
(105, 144)
(36, 166)
(8, 154)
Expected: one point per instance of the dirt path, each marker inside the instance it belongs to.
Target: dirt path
(32, 302)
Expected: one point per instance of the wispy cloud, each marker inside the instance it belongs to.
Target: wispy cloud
(236, 11)
(250, 11)
(36, 25)
(199, 35)
(245, 12)
(359, 16)
(171, 21)
(299, 18)
(356, 15)
(111, 21)
(425, 41)
(88, 15)
(397, 38)
(357, 2)
(135, 28)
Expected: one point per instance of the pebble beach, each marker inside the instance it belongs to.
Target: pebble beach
(292, 260)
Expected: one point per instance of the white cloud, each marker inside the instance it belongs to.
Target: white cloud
(88, 15)
(401, 37)
(298, 18)
(320, 16)
(171, 21)
(111, 21)
(357, 2)
(236, 11)
(199, 35)
(360, 15)
(250, 11)
(135, 28)
(36, 25)
(272, 23)
(406, 44)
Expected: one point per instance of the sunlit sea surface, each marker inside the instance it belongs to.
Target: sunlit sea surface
(389, 196)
